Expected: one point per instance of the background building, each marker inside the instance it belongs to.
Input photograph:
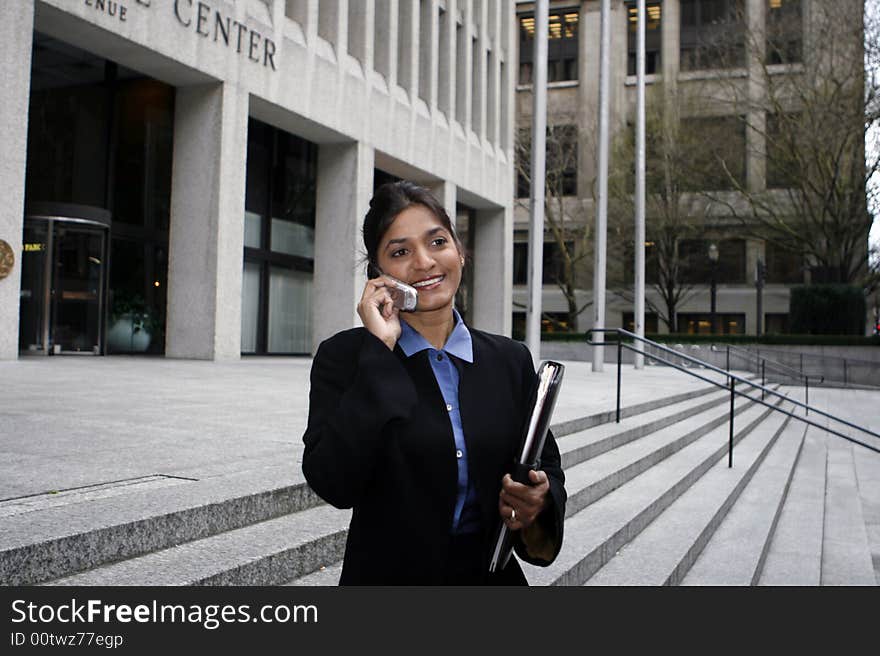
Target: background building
(741, 117)
(207, 164)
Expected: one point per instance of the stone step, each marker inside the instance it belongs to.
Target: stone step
(736, 552)
(665, 549)
(596, 533)
(325, 575)
(563, 428)
(594, 478)
(583, 445)
(795, 553)
(868, 477)
(846, 553)
(84, 533)
(61, 540)
(271, 552)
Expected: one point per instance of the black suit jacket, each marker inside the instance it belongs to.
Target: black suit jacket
(379, 440)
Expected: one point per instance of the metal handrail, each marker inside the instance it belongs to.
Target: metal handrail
(847, 362)
(794, 373)
(733, 378)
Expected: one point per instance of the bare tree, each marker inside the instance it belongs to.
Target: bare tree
(565, 216)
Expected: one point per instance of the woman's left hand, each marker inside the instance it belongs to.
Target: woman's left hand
(520, 504)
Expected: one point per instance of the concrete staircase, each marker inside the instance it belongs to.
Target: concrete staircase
(651, 501)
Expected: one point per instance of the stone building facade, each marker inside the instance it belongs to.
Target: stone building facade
(206, 164)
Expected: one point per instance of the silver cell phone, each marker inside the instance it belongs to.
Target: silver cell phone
(405, 297)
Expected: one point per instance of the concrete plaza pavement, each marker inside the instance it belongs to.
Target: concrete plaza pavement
(104, 422)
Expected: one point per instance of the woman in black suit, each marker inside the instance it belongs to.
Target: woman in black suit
(415, 419)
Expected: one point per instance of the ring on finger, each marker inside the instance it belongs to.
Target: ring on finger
(512, 515)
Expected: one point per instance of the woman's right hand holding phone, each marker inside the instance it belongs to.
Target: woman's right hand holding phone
(377, 312)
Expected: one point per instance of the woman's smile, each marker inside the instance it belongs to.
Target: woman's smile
(428, 284)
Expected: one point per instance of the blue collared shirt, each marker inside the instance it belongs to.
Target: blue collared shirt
(459, 345)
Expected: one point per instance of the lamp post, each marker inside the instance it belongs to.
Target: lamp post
(713, 268)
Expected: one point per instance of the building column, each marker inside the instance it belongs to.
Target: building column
(16, 41)
(445, 192)
(345, 186)
(493, 271)
(206, 241)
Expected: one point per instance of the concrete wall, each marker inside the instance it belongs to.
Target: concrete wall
(16, 33)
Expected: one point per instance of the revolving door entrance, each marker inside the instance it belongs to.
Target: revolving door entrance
(64, 281)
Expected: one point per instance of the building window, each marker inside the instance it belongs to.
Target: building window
(783, 266)
(694, 323)
(561, 163)
(712, 34)
(697, 267)
(551, 322)
(782, 135)
(562, 46)
(653, 38)
(279, 237)
(716, 152)
(553, 267)
(785, 31)
(775, 323)
(629, 322)
(652, 268)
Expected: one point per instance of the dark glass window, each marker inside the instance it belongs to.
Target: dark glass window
(652, 269)
(653, 38)
(782, 135)
(783, 266)
(553, 264)
(785, 31)
(562, 46)
(716, 145)
(629, 322)
(561, 163)
(697, 268)
(100, 134)
(776, 323)
(279, 241)
(712, 34)
(694, 323)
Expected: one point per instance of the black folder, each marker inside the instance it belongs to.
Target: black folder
(534, 434)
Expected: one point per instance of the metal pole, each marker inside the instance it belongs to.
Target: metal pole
(807, 396)
(599, 239)
(619, 353)
(538, 174)
(730, 439)
(763, 378)
(639, 277)
(728, 357)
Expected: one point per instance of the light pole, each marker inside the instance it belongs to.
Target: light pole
(713, 268)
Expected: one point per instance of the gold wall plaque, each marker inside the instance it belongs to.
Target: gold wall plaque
(7, 259)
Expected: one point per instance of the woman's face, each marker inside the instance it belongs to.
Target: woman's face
(419, 251)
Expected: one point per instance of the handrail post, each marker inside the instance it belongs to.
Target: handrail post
(619, 351)
(728, 357)
(763, 383)
(807, 399)
(730, 441)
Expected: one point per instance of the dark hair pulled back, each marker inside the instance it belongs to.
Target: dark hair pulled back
(390, 200)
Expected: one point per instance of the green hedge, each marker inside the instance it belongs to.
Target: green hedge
(827, 310)
(802, 340)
